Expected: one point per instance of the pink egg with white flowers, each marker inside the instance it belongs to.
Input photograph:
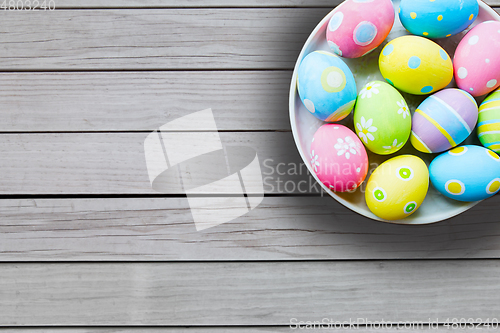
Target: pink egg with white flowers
(476, 64)
(338, 158)
(357, 27)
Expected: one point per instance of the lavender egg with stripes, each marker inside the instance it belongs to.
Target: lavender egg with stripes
(443, 120)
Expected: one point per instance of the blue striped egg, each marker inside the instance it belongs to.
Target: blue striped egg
(443, 120)
(437, 19)
(466, 173)
(326, 86)
(488, 127)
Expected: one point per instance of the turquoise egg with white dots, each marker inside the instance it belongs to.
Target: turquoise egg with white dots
(466, 173)
(415, 65)
(437, 19)
(326, 86)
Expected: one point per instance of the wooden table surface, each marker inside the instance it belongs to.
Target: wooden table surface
(86, 244)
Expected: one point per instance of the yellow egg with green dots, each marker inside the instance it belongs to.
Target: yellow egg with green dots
(397, 187)
(415, 65)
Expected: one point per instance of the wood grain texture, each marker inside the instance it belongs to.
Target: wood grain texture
(246, 293)
(422, 328)
(281, 228)
(155, 39)
(204, 3)
(230, 47)
(134, 101)
(195, 3)
(148, 39)
(114, 163)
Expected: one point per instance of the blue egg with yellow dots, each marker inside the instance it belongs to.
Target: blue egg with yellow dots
(326, 86)
(466, 173)
(437, 18)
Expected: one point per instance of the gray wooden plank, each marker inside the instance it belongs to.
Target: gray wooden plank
(247, 38)
(281, 228)
(114, 163)
(195, 3)
(134, 101)
(155, 39)
(425, 328)
(238, 329)
(249, 293)
(204, 3)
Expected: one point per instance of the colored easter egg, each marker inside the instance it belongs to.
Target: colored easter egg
(476, 62)
(382, 118)
(437, 19)
(326, 86)
(397, 187)
(488, 122)
(443, 120)
(357, 27)
(466, 173)
(415, 65)
(338, 158)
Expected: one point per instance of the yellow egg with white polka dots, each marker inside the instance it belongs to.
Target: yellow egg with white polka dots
(415, 65)
(397, 187)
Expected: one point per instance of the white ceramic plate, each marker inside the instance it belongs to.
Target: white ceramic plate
(436, 207)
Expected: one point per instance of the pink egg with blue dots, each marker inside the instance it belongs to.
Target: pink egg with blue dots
(358, 26)
(476, 64)
(338, 158)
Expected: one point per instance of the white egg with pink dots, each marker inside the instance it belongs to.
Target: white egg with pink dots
(476, 63)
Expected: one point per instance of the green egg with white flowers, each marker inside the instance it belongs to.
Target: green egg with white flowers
(382, 118)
